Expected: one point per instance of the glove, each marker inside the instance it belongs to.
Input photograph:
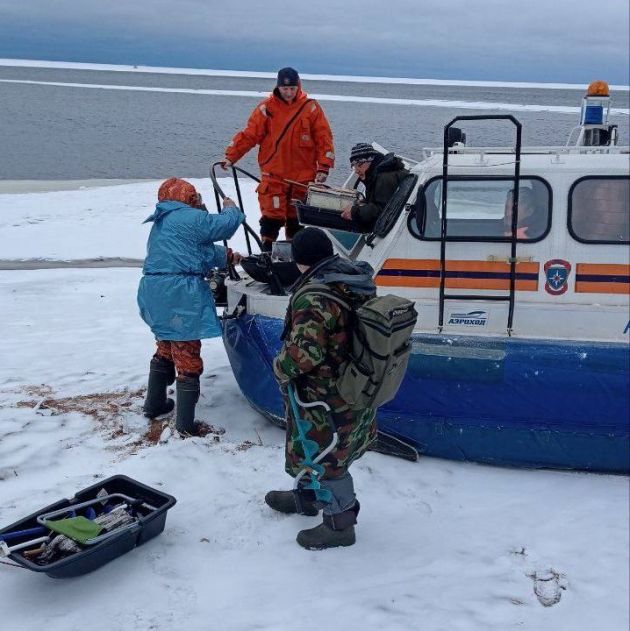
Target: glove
(233, 258)
(346, 212)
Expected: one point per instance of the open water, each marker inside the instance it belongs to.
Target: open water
(74, 132)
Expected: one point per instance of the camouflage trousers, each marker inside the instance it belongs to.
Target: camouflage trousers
(356, 429)
(185, 355)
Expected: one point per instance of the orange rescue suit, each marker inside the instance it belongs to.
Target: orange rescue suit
(295, 143)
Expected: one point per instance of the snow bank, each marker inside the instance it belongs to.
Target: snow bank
(443, 103)
(250, 74)
(98, 221)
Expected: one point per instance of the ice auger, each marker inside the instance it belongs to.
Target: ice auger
(310, 465)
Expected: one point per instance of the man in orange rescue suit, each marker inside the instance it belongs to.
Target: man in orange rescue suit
(296, 147)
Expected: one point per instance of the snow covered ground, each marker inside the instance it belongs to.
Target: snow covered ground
(88, 221)
(441, 546)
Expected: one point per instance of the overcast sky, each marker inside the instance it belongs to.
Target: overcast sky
(535, 40)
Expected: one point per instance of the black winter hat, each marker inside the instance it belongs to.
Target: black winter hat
(310, 246)
(363, 151)
(288, 77)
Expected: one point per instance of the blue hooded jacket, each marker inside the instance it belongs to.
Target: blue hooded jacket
(174, 299)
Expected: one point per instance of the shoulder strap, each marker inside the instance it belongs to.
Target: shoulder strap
(319, 289)
(284, 131)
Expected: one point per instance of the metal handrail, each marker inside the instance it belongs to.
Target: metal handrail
(220, 195)
(513, 236)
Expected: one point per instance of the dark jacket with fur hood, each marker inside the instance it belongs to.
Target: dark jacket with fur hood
(381, 181)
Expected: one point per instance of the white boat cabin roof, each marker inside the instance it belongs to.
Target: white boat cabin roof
(535, 160)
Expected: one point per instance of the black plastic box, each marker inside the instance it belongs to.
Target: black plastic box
(325, 218)
(94, 556)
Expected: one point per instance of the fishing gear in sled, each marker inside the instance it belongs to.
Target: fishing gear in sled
(75, 536)
(66, 531)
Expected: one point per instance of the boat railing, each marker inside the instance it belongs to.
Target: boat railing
(510, 297)
(219, 195)
(427, 152)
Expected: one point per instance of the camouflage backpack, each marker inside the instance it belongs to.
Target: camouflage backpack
(380, 346)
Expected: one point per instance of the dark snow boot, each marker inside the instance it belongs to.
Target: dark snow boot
(269, 231)
(187, 397)
(161, 375)
(334, 532)
(291, 228)
(296, 501)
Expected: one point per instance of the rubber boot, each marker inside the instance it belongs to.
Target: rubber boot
(161, 375)
(187, 397)
(335, 531)
(269, 231)
(296, 501)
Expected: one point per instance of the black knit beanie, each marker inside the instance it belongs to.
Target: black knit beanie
(310, 246)
(288, 77)
(363, 151)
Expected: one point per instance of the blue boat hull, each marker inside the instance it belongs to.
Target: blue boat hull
(529, 403)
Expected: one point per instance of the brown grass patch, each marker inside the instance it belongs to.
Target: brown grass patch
(40, 391)
(153, 433)
(107, 408)
(101, 406)
(205, 429)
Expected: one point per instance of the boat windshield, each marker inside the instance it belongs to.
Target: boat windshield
(482, 208)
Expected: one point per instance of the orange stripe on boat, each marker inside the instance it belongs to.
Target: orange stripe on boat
(491, 275)
(601, 288)
(602, 278)
(602, 268)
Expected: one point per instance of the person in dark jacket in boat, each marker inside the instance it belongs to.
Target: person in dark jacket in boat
(532, 221)
(174, 297)
(316, 343)
(381, 175)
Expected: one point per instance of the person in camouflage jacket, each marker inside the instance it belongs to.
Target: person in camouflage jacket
(316, 344)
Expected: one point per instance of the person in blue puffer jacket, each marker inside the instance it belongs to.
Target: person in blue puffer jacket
(174, 297)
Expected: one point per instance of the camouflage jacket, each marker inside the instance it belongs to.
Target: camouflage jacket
(316, 345)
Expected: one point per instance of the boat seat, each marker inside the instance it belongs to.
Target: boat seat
(276, 274)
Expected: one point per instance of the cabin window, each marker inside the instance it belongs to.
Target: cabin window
(479, 209)
(599, 210)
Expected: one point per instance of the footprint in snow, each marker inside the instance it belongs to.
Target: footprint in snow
(548, 586)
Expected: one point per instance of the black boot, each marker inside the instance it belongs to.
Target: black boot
(335, 531)
(187, 397)
(296, 501)
(269, 231)
(291, 228)
(161, 375)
